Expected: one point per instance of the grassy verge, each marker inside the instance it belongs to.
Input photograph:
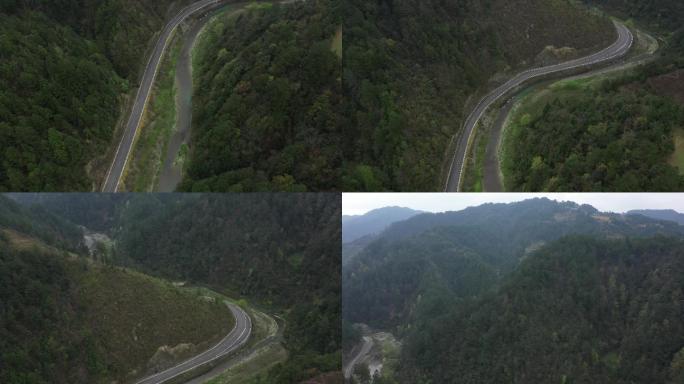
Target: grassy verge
(260, 362)
(474, 169)
(677, 158)
(181, 157)
(157, 126)
(260, 5)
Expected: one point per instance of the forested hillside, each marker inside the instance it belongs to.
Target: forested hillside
(660, 214)
(580, 310)
(246, 245)
(268, 102)
(67, 319)
(38, 222)
(418, 263)
(64, 68)
(95, 212)
(666, 14)
(614, 138)
(372, 222)
(410, 67)
(282, 249)
(528, 292)
(619, 134)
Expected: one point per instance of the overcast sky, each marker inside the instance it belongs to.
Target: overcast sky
(360, 203)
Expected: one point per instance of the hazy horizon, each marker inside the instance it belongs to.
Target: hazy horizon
(361, 203)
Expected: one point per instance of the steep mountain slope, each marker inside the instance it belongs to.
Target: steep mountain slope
(96, 212)
(411, 66)
(466, 252)
(67, 319)
(609, 139)
(373, 222)
(529, 292)
(40, 223)
(665, 14)
(65, 65)
(248, 244)
(580, 310)
(620, 132)
(268, 108)
(660, 214)
(279, 250)
(351, 249)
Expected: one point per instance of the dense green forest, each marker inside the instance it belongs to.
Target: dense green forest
(524, 293)
(242, 244)
(38, 222)
(663, 14)
(267, 102)
(248, 244)
(93, 213)
(410, 66)
(616, 136)
(67, 319)
(610, 139)
(463, 254)
(64, 67)
(580, 310)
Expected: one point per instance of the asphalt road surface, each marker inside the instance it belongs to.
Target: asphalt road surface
(365, 348)
(492, 176)
(125, 147)
(235, 339)
(245, 355)
(618, 49)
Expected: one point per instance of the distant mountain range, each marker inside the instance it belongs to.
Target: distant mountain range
(373, 222)
(479, 293)
(660, 214)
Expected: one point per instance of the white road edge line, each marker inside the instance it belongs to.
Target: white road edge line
(546, 71)
(233, 347)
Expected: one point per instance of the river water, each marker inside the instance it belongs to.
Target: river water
(171, 172)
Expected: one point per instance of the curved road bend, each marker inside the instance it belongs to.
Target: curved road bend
(235, 339)
(123, 151)
(491, 175)
(365, 348)
(243, 357)
(618, 49)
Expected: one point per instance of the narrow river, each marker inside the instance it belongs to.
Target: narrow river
(171, 172)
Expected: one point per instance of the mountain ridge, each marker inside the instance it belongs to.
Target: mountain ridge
(373, 221)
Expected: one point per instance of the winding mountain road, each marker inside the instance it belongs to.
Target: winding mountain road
(231, 343)
(123, 151)
(363, 351)
(616, 50)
